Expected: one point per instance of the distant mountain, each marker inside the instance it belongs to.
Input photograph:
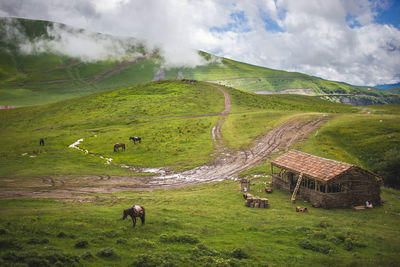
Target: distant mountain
(387, 86)
(44, 62)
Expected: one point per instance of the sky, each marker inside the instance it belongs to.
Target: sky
(354, 41)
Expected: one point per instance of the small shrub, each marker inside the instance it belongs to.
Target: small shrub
(3, 231)
(239, 253)
(106, 252)
(64, 235)
(340, 236)
(87, 255)
(7, 244)
(187, 239)
(37, 262)
(323, 224)
(349, 244)
(145, 244)
(111, 234)
(10, 256)
(121, 241)
(321, 247)
(35, 241)
(203, 250)
(81, 244)
(319, 235)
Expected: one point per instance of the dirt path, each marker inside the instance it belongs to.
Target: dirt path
(226, 166)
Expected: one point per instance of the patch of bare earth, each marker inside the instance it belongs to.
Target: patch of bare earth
(227, 165)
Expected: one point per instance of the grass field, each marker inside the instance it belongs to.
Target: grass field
(205, 225)
(165, 114)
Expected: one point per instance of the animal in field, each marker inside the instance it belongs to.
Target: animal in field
(300, 209)
(135, 138)
(134, 212)
(119, 145)
(41, 142)
(247, 195)
(268, 190)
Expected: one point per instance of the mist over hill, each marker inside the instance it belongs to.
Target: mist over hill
(45, 62)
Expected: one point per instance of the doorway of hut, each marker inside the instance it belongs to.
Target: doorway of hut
(293, 181)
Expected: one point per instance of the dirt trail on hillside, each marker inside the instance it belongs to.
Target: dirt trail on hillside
(226, 165)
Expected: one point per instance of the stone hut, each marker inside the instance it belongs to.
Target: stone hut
(324, 182)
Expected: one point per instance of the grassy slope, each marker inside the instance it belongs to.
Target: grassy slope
(253, 78)
(212, 215)
(153, 111)
(218, 220)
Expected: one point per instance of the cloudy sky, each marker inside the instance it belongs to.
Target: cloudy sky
(355, 41)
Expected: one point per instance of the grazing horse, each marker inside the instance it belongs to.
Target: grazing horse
(135, 211)
(41, 142)
(135, 138)
(118, 145)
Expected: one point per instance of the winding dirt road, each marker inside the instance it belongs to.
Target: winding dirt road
(226, 165)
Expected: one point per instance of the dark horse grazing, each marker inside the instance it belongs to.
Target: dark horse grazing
(118, 145)
(135, 138)
(135, 211)
(41, 142)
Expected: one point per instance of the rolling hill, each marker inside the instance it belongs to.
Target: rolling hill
(36, 68)
(202, 225)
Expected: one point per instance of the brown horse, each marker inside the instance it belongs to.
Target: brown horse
(118, 145)
(135, 211)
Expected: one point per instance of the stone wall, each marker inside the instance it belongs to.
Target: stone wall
(280, 183)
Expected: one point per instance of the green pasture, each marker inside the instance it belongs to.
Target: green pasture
(173, 118)
(371, 141)
(164, 114)
(204, 225)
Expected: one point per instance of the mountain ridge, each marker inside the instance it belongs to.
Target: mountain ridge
(35, 71)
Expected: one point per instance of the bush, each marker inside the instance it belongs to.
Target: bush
(81, 244)
(110, 234)
(321, 247)
(87, 255)
(35, 241)
(62, 235)
(106, 252)
(3, 231)
(239, 253)
(351, 243)
(121, 241)
(202, 250)
(323, 224)
(7, 244)
(37, 262)
(187, 239)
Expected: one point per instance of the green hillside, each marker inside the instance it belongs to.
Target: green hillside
(202, 225)
(43, 77)
(173, 118)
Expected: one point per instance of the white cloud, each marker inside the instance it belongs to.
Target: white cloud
(335, 39)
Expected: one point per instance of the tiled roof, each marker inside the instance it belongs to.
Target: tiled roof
(316, 167)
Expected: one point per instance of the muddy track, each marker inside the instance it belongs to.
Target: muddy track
(227, 164)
